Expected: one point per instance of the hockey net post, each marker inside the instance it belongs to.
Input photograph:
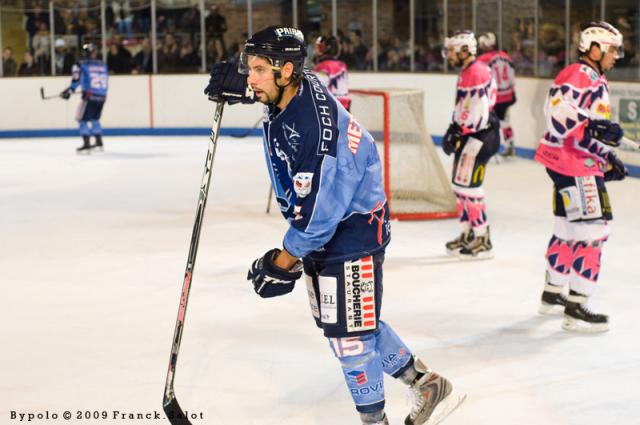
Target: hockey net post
(415, 182)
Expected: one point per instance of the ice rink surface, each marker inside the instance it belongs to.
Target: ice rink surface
(92, 259)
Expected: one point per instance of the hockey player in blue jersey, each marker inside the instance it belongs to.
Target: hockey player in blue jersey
(326, 175)
(93, 76)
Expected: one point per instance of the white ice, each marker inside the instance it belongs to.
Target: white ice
(92, 256)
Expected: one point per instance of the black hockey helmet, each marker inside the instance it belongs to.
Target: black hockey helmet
(87, 50)
(327, 46)
(278, 44)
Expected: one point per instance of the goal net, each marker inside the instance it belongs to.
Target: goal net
(416, 184)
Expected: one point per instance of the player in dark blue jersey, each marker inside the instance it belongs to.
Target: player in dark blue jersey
(92, 75)
(326, 174)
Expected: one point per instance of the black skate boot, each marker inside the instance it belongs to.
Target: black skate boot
(374, 418)
(553, 300)
(509, 151)
(86, 147)
(454, 246)
(433, 398)
(480, 248)
(98, 146)
(578, 317)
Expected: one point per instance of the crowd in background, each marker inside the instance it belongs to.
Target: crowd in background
(178, 46)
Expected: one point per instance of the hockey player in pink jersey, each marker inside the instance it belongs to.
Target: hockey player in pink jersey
(504, 73)
(577, 150)
(330, 71)
(474, 138)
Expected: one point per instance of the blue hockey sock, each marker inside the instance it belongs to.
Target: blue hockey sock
(395, 355)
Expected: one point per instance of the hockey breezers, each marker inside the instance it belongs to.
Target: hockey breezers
(174, 413)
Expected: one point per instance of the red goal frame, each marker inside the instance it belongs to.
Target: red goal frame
(387, 177)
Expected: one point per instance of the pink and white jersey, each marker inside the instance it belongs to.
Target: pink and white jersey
(333, 74)
(475, 98)
(503, 72)
(578, 94)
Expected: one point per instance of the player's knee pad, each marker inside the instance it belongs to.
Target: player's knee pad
(362, 370)
(394, 353)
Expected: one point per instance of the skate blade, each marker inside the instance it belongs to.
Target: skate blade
(485, 255)
(551, 309)
(572, 325)
(453, 252)
(446, 407)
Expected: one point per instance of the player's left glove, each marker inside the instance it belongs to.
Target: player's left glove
(452, 138)
(605, 131)
(227, 84)
(615, 168)
(66, 94)
(270, 280)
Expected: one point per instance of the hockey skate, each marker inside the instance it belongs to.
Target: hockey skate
(454, 246)
(479, 248)
(578, 317)
(86, 146)
(552, 301)
(509, 151)
(375, 418)
(98, 146)
(432, 398)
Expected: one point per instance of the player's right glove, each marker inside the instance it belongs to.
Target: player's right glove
(270, 280)
(66, 94)
(615, 169)
(452, 138)
(227, 84)
(605, 131)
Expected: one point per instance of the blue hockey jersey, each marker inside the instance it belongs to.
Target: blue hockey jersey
(327, 177)
(93, 76)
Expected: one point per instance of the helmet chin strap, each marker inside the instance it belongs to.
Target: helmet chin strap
(276, 76)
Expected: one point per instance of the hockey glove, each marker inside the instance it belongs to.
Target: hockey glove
(615, 168)
(66, 94)
(605, 131)
(227, 84)
(270, 280)
(452, 138)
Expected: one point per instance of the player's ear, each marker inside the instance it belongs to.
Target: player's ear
(287, 71)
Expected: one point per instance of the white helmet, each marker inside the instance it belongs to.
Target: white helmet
(462, 39)
(604, 35)
(487, 41)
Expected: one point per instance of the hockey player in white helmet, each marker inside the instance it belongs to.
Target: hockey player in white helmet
(504, 73)
(577, 150)
(473, 137)
(325, 171)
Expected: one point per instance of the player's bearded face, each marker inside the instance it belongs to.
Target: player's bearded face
(452, 56)
(609, 58)
(261, 79)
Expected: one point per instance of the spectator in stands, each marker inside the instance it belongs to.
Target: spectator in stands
(63, 59)
(213, 55)
(143, 60)
(122, 17)
(34, 17)
(28, 67)
(119, 59)
(360, 51)
(41, 48)
(9, 66)
(188, 59)
(190, 22)
(168, 55)
(216, 26)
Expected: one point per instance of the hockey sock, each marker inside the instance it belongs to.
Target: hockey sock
(362, 368)
(395, 355)
(477, 211)
(84, 128)
(585, 268)
(559, 258)
(96, 128)
(507, 134)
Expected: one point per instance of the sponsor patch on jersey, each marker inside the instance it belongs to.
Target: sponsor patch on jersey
(360, 300)
(358, 377)
(328, 299)
(589, 197)
(302, 184)
(354, 135)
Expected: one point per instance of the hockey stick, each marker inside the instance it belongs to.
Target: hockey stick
(631, 144)
(170, 404)
(53, 96)
(269, 199)
(249, 131)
